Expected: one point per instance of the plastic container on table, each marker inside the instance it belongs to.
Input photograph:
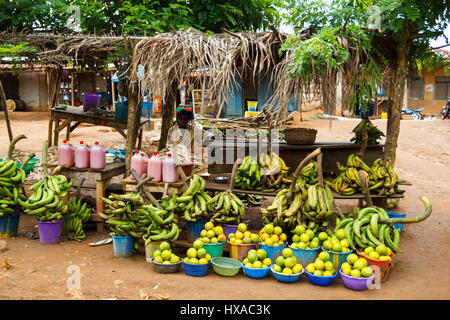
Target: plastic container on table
(82, 156)
(66, 154)
(123, 246)
(49, 231)
(90, 101)
(154, 167)
(137, 163)
(9, 226)
(305, 256)
(169, 171)
(97, 157)
(144, 161)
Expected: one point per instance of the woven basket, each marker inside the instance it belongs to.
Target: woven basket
(300, 135)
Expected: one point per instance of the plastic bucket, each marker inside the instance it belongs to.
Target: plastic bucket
(286, 278)
(240, 251)
(196, 270)
(50, 232)
(273, 252)
(354, 283)
(90, 101)
(214, 249)
(252, 105)
(194, 229)
(392, 214)
(123, 246)
(321, 280)
(229, 228)
(9, 226)
(151, 247)
(255, 273)
(305, 256)
(338, 258)
(383, 265)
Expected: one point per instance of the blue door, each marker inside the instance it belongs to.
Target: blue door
(233, 107)
(265, 91)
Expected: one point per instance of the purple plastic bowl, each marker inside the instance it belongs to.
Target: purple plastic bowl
(354, 283)
(90, 101)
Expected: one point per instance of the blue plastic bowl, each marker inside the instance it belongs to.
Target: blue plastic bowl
(196, 270)
(392, 214)
(305, 256)
(273, 252)
(255, 273)
(286, 278)
(321, 280)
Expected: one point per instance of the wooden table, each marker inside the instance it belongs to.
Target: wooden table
(292, 154)
(102, 178)
(77, 115)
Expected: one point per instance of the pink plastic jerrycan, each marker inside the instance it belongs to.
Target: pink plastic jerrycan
(137, 163)
(66, 154)
(144, 161)
(97, 157)
(154, 167)
(169, 172)
(82, 156)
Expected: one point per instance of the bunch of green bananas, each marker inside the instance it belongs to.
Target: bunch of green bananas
(281, 212)
(228, 207)
(11, 181)
(250, 200)
(274, 171)
(248, 174)
(192, 204)
(320, 204)
(79, 214)
(308, 175)
(370, 228)
(380, 177)
(46, 202)
(373, 133)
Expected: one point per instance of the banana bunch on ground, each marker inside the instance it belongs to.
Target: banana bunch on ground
(78, 215)
(228, 208)
(46, 203)
(249, 174)
(192, 204)
(380, 177)
(370, 228)
(373, 133)
(308, 175)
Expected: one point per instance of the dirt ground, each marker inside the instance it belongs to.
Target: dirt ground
(40, 271)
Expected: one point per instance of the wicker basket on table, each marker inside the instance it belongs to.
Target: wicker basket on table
(297, 135)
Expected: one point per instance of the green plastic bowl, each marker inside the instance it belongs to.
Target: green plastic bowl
(227, 267)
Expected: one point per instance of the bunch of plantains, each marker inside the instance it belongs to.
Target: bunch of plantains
(46, 202)
(308, 175)
(193, 205)
(228, 208)
(373, 133)
(11, 182)
(381, 178)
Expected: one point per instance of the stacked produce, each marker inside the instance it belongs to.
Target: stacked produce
(308, 175)
(46, 203)
(271, 235)
(305, 238)
(250, 200)
(356, 267)
(243, 236)
(337, 242)
(228, 208)
(165, 255)
(78, 215)
(197, 254)
(11, 181)
(128, 215)
(212, 234)
(380, 252)
(287, 263)
(192, 204)
(373, 133)
(267, 172)
(257, 259)
(322, 266)
(381, 178)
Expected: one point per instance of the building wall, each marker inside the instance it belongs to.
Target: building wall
(32, 91)
(430, 105)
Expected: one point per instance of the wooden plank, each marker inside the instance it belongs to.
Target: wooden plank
(5, 108)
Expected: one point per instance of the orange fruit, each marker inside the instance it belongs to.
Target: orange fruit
(221, 237)
(209, 225)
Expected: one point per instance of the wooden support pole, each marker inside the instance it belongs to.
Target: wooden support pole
(72, 90)
(168, 114)
(5, 108)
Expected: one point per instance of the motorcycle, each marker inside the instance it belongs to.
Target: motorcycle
(416, 113)
(445, 112)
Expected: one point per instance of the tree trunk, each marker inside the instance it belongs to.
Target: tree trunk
(395, 109)
(131, 128)
(168, 114)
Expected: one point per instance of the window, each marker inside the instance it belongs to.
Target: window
(442, 85)
(416, 89)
